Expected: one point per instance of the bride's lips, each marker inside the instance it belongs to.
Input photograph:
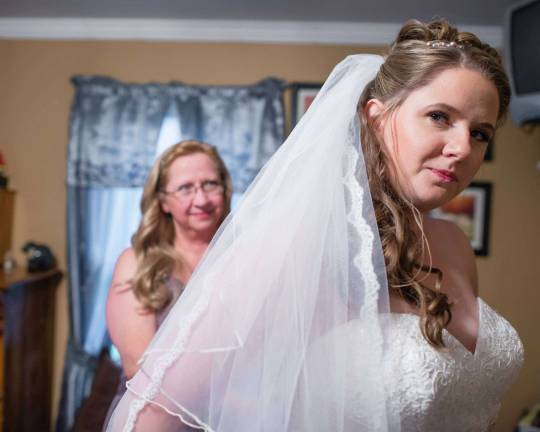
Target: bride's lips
(444, 175)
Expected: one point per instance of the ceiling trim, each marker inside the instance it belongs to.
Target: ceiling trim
(300, 32)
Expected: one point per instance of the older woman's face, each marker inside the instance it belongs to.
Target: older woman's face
(195, 195)
(438, 137)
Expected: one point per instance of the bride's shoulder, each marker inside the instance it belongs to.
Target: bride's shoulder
(447, 232)
(452, 250)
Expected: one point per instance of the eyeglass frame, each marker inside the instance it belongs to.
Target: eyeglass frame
(195, 187)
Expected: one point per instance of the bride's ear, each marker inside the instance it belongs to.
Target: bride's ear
(374, 112)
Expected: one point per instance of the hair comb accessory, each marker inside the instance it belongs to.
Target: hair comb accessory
(444, 44)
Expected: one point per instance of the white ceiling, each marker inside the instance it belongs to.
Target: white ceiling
(470, 12)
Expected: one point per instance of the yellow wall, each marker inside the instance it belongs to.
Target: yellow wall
(35, 95)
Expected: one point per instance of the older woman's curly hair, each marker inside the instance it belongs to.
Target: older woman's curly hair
(412, 63)
(153, 242)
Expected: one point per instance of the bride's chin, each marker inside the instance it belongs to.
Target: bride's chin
(426, 205)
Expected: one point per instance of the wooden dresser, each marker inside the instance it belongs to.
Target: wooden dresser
(7, 208)
(28, 306)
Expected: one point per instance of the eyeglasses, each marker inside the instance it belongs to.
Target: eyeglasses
(188, 190)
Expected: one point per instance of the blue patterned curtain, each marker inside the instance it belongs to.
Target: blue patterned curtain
(113, 141)
(114, 127)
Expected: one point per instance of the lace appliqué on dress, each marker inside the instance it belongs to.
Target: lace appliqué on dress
(451, 390)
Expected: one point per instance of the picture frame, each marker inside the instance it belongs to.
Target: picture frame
(488, 157)
(302, 95)
(471, 210)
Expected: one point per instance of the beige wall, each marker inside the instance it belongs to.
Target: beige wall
(35, 94)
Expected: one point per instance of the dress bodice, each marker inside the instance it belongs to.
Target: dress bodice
(452, 389)
(176, 287)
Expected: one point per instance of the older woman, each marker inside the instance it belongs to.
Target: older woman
(185, 199)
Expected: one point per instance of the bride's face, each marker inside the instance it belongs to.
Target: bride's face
(438, 136)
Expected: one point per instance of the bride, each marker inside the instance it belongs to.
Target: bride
(330, 300)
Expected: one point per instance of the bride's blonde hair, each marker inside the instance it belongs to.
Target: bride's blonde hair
(153, 242)
(419, 53)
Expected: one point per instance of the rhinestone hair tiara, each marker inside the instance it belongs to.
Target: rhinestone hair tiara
(443, 44)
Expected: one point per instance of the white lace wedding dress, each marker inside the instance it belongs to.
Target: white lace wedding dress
(441, 391)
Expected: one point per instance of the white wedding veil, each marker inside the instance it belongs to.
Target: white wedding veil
(256, 342)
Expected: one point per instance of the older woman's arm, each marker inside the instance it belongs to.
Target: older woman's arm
(131, 327)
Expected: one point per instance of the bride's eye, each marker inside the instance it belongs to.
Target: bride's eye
(480, 135)
(438, 116)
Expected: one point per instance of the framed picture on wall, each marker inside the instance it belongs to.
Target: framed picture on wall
(488, 157)
(302, 96)
(470, 210)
